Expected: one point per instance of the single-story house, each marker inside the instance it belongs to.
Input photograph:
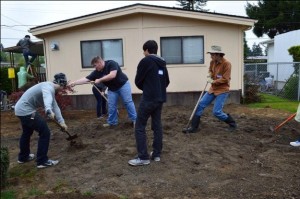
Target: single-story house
(279, 60)
(183, 37)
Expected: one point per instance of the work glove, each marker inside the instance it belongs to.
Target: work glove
(50, 114)
(64, 126)
(210, 80)
(208, 75)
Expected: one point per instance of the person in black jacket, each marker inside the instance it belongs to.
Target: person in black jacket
(101, 101)
(152, 78)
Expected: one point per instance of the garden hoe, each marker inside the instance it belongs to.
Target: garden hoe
(188, 124)
(283, 123)
(71, 138)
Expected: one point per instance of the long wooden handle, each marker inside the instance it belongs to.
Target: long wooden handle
(285, 121)
(192, 115)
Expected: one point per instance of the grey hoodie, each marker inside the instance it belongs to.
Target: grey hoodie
(40, 95)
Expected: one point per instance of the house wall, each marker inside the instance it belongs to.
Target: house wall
(134, 30)
(278, 52)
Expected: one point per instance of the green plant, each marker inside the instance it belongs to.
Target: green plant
(34, 192)
(4, 156)
(290, 90)
(8, 194)
(88, 193)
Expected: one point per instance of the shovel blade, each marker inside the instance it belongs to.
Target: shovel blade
(72, 137)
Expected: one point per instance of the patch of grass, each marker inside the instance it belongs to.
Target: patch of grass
(22, 171)
(8, 194)
(34, 192)
(88, 193)
(274, 102)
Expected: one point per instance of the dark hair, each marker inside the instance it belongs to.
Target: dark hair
(27, 36)
(95, 59)
(61, 79)
(151, 46)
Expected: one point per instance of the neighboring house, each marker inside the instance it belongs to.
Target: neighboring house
(183, 37)
(278, 55)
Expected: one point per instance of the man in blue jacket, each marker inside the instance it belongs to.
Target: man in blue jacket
(152, 78)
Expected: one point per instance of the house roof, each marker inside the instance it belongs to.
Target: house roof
(270, 41)
(37, 48)
(142, 8)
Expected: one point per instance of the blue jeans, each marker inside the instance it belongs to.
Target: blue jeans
(207, 99)
(26, 54)
(125, 93)
(28, 126)
(101, 102)
(147, 109)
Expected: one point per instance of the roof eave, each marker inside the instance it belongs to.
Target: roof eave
(141, 9)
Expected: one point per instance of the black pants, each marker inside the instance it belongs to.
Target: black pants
(147, 109)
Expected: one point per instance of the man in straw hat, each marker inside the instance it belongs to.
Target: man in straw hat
(219, 77)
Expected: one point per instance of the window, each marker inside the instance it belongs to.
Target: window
(108, 49)
(183, 50)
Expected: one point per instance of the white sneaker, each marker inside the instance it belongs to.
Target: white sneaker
(30, 157)
(296, 143)
(156, 159)
(49, 163)
(138, 162)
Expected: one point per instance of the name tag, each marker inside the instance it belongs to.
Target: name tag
(219, 76)
(160, 72)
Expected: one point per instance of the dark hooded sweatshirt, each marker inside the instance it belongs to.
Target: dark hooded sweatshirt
(152, 78)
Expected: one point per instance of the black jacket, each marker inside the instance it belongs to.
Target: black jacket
(152, 78)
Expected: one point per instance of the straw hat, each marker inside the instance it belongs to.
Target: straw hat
(216, 49)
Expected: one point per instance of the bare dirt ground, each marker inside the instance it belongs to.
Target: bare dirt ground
(252, 162)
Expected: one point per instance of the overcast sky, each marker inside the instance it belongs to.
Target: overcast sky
(17, 17)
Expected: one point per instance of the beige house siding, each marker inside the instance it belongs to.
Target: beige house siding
(134, 28)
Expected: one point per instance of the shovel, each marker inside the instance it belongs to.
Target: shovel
(102, 94)
(188, 124)
(71, 137)
(283, 123)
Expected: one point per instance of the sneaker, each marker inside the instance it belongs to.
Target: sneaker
(156, 159)
(296, 143)
(138, 162)
(106, 125)
(30, 157)
(49, 163)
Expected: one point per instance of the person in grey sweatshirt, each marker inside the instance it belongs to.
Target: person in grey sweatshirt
(40, 95)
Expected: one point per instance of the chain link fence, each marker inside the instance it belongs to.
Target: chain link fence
(277, 78)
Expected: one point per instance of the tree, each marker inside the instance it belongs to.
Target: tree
(274, 17)
(246, 47)
(257, 50)
(193, 4)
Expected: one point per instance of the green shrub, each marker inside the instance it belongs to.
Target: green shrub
(290, 90)
(4, 165)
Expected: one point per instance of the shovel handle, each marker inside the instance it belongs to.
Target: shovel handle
(192, 115)
(285, 121)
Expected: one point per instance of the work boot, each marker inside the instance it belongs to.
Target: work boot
(231, 122)
(195, 124)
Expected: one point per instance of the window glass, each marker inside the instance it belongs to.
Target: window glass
(171, 50)
(107, 49)
(193, 50)
(112, 50)
(89, 50)
(183, 50)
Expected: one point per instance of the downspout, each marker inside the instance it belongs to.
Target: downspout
(45, 58)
